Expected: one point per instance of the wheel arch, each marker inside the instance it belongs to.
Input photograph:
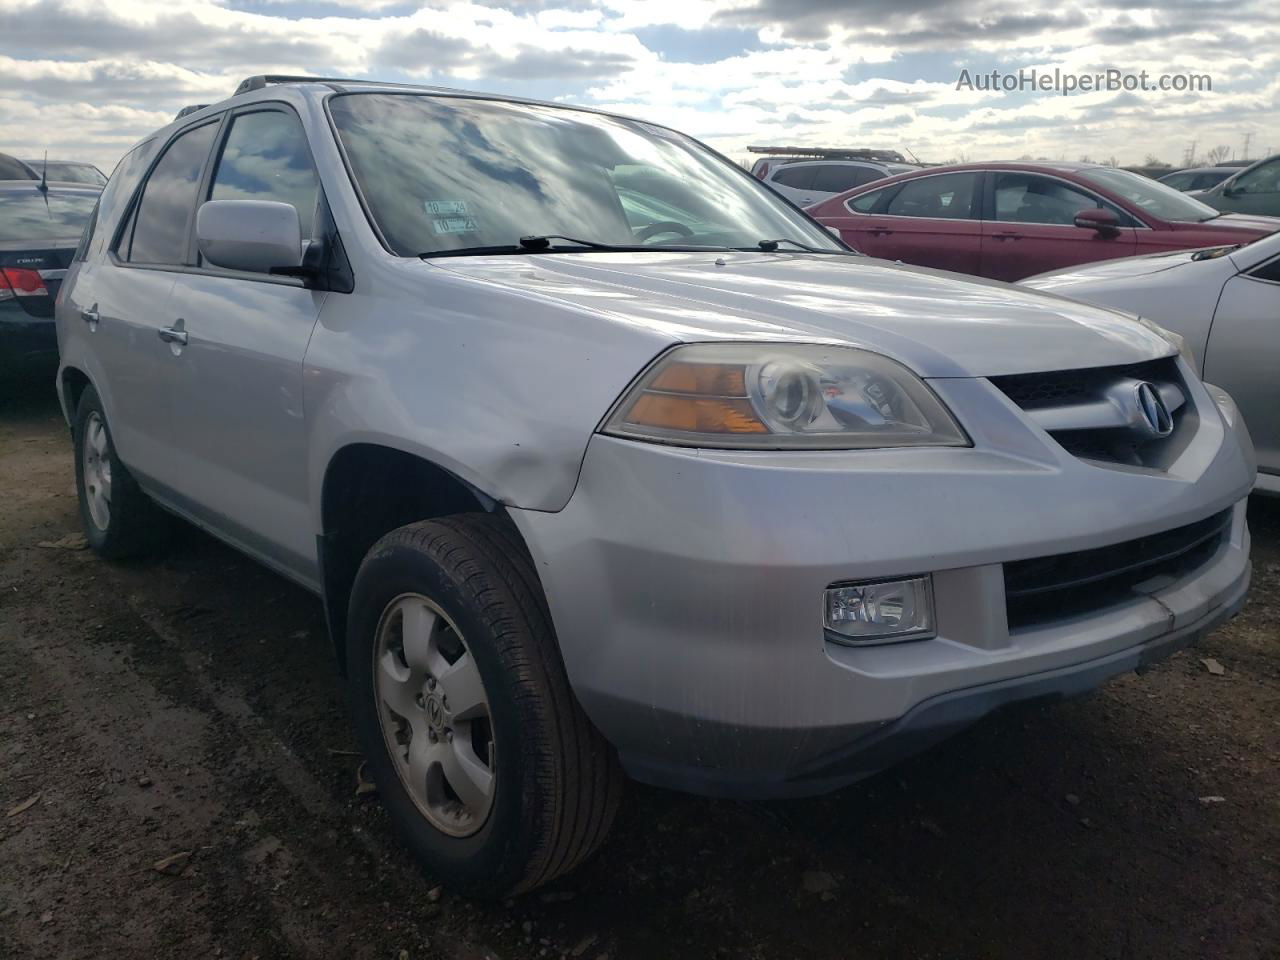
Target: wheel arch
(368, 490)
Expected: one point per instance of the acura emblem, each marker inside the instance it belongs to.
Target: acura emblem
(1155, 415)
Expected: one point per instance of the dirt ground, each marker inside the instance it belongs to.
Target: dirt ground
(189, 706)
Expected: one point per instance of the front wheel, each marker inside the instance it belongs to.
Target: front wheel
(482, 755)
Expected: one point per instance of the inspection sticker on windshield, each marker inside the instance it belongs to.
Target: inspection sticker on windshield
(455, 225)
(446, 208)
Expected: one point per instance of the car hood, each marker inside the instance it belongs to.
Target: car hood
(1241, 222)
(939, 324)
(1123, 269)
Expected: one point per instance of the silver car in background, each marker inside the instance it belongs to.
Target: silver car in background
(1224, 302)
(603, 458)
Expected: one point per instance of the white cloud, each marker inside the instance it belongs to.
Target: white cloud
(87, 78)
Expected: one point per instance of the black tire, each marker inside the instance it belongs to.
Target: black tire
(135, 525)
(557, 782)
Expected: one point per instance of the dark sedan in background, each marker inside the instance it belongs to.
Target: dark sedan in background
(1255, 189)
(1007, 221)
(39, 232)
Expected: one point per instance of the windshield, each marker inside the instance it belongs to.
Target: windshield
(27, 216)
(1158, 199)
(441, 174)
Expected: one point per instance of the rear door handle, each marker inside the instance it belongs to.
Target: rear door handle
(1008, 235)
(174, 334)
(91, 316)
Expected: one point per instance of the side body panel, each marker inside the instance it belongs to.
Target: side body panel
(239, 434)
(1243, 357)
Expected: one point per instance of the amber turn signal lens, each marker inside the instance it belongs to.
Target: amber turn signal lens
(708, 379)
(693, 414)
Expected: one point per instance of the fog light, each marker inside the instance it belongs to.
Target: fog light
(880, 612)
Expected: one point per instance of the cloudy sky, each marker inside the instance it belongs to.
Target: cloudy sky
(86, 78)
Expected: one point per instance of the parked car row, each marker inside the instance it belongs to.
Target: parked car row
(605, 458)
(1006, 221)
(41, 224)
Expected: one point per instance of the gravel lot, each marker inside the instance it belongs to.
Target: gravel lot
(189, 706)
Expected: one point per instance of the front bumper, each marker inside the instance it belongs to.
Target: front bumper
(686, 589)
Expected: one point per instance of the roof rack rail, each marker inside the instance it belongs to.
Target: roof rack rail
(266, 79)
(187, 110)
(832, 153)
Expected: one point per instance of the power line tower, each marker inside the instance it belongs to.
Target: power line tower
(1247, 138)
(1189, 158)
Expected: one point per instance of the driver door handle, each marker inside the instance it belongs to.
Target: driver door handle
(91, 316)
(1007, 235)
(879, 231)
(174, 334)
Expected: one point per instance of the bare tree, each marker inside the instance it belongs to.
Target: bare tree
(1218, 154)
(1153, 161)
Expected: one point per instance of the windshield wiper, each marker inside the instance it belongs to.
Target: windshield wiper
(543, 244)
(768, 246)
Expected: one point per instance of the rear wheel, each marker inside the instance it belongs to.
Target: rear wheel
(482, 755)
(119, 519)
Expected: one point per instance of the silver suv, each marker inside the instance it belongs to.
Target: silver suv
(603, 458)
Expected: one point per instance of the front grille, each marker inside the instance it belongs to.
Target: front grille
(1050, 588)
(1058, 396)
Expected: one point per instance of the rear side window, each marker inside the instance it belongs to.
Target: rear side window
(948, 196)
(114, 195)
(799, 177)
(1179, 181)
(162, 218)
(266, 158)
(28, 215)
(839, 177)
(865, 203)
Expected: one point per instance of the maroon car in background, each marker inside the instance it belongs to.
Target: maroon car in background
(1007, 221)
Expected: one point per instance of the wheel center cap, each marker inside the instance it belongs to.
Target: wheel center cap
(435, 711)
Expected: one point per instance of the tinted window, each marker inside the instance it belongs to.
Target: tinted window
(266, 158)
(799, 177)
(839, 177)
(27, 216)
(163, 218)
(1026, 198)
(948, 196)
(867, 202)
(454, 174)
(1205, 180)
(1179, 181)
(1263, 179)
(1268, 271)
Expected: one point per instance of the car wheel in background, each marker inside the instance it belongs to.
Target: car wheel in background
(482, 756)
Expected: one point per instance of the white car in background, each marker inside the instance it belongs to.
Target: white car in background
(806, 182)
(1225, 303)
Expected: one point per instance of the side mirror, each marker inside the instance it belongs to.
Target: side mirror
(258, 236)
(1230, 191)
(1097, 218)
(834, 231)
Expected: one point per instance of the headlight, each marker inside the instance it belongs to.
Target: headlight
(771, 396)
(1178, 341)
